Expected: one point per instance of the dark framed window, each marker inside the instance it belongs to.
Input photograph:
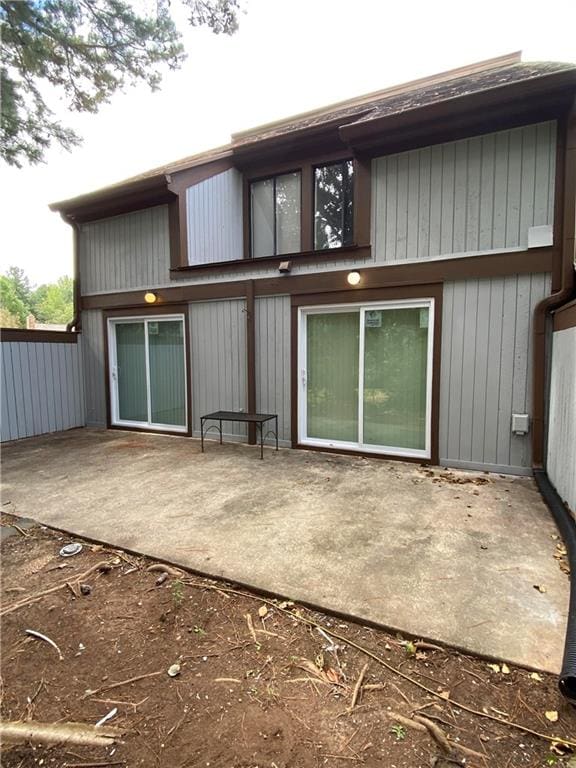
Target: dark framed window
(334, 205)
(275, 215)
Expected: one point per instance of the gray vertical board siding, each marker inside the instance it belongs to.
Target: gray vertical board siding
(94, 372)
(273, 360)
(125, 252)
(486, 369)
(476, 194)
(41, 388)
(218, 360)
(214, 210)
(561, 456)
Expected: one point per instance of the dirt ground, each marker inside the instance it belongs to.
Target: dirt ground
(258, 683)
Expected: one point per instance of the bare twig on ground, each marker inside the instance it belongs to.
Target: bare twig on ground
(374, 686)
(357, 687)
(101, 566)
(122, 682)
(436, 732)
(94, 765)
(251, 629)
(161, 568)
(422, 724)
(311, 623)
(57, 733)
(424, 646)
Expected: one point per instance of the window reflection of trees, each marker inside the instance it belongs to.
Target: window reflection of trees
(333, 210)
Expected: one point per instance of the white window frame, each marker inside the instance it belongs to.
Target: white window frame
(360, 446)
(115, 419)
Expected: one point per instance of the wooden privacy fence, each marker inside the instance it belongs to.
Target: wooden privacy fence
(42, 387)
(561, 460)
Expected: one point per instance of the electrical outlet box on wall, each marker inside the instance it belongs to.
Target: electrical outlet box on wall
(520, 423)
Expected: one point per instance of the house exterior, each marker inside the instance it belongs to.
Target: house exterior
(378, 273)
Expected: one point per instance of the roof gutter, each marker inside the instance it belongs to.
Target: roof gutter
(76, 323)
(88, 206)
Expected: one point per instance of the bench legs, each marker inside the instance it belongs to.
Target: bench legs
(204, 432)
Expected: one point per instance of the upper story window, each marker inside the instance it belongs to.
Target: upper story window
(275, 215)
(333, 205)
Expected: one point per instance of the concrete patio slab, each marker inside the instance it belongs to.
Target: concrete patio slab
(449, 556)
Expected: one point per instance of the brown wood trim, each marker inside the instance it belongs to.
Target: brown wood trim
(182, 254)
(76, 322)
(174, 233)
(251, 357)
(166, 296)
(181, 309)
(294, 376)
(293, 162)
(431, 291)
(432, 271)
(362, 199)
(385, 293)
(307, 203)
(240, 265)
(305, 166)
(246, 230)
(565, 317)
(558, 204)
(38, 336)
(116, 200)
(179, 181)
(532, 261)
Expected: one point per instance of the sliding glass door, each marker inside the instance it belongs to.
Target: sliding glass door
(365, 373)
(148, 372)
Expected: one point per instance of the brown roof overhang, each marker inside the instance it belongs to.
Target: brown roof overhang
(538, 98)
(120, 198)
(150, 188)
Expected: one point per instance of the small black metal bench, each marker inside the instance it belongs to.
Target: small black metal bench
(248, 418)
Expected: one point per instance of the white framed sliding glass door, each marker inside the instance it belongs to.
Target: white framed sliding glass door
(148, 386)
(366, 377)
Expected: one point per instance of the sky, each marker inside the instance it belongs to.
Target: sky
(288, 56)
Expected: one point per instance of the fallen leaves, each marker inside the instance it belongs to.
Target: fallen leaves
(536, 676)
(500, 668)
(325, 673)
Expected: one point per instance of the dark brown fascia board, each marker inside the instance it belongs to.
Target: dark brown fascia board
(536, 260)
(38, 336)
(140, 193)
(525, 97)
(99, 204)
(308, 139)
(565, 317)
(179, 181)
(242, 265)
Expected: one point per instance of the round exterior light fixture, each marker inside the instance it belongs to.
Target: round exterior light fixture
(150, 297)
(353, 278)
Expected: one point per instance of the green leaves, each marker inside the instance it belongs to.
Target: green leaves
(399, 731)
(53, 303)
(86, 50)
